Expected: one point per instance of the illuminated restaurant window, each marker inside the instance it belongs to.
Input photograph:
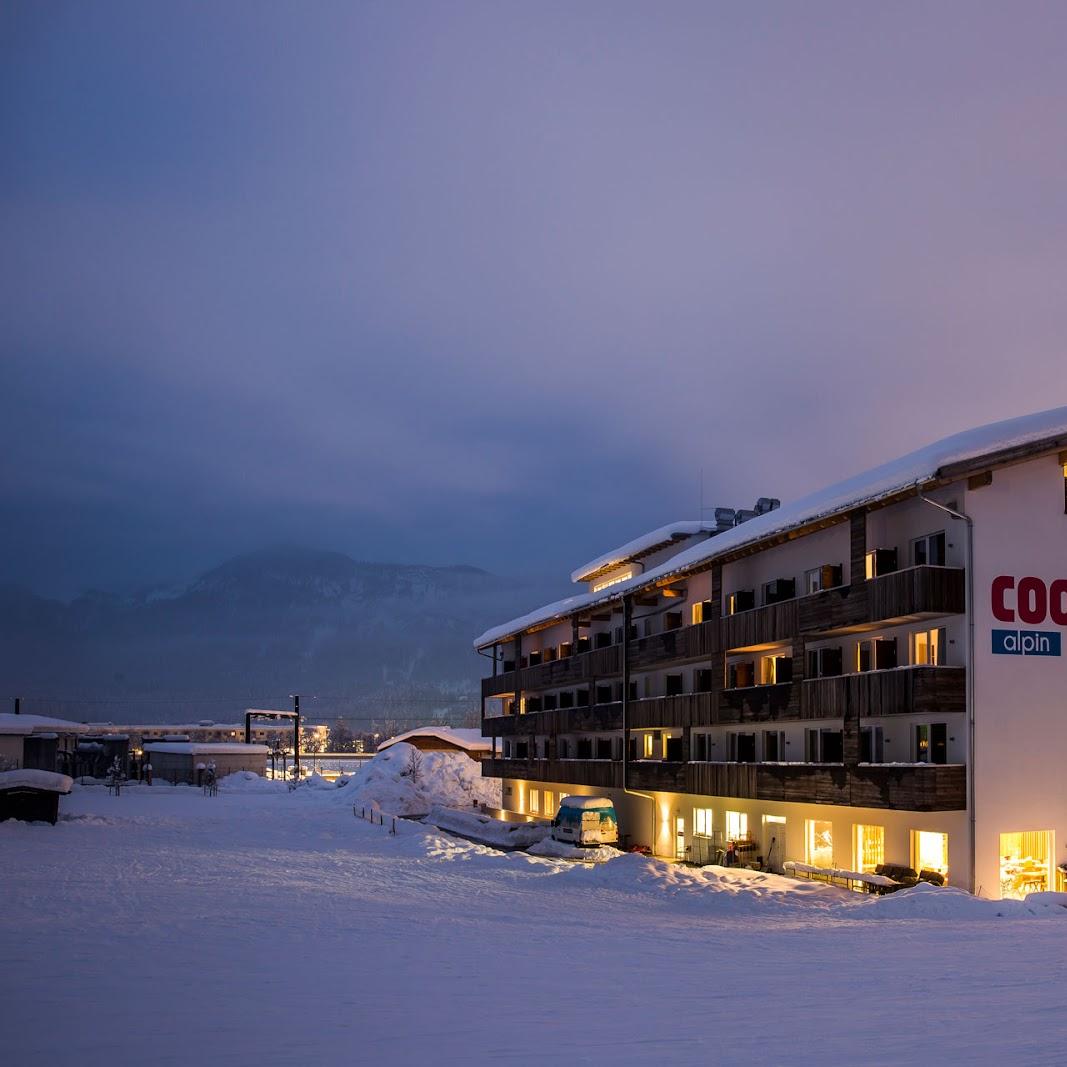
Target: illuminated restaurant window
(930, 851)
(702, 822)
(870, 847)
(819, 843)
(550, 804)
(535, 801)
(1024, 863)
(736, 825)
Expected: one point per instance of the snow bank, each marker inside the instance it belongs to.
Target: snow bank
(925, 901)
(549, 846)
(488, 831)
(386, 783)
(248, 782)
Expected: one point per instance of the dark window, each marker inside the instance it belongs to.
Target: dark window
(585, 748)
(832, 746)
(778, 590)
(535, 659)
(566, 700)
(881, 561)
(741, 675)
(582, 698)
(565, 649)
(929, 549)
(703, 681)
(744, 748)
(700, 747)
(783, 669)
(550, 702)
(603, 640)
(872, 745)
(633, 691)
(603, 748)
(603, 694)
(563, 747)
(674, 685)
(824, 662)
(533, 704)
(522, 749)
(632, 756)
(674, 749)
(583, 644)
(672, 620)
(742, 600)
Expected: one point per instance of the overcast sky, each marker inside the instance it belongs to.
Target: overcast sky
(491, 283)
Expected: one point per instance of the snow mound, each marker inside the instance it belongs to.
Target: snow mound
(488, 831)
(925, 901)
(250, 782)
(549, 846)
(389, 783)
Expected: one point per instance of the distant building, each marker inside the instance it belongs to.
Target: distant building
(274, 734)
(185, 761)
(444, 739)
(38, 742)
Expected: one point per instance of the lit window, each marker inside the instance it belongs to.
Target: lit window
(928, 647)
(698, 613)
(736, 825)
(1065, 488)
(702, 822)
(819, 843)
(535, 801)
(1024, 863)
(648, 746)
(608, 582)
(930, 851)
(870, 848)
(550, 804)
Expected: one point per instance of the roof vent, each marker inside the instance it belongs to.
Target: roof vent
(767, 503)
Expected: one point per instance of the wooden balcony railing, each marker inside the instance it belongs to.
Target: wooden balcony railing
(908, 787)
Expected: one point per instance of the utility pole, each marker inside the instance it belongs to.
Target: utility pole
(296, 737)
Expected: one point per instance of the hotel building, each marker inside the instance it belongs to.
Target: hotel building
(870, 675)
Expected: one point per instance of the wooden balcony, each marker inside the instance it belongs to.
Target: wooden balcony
(907, 787)
(581, 669)
(912, 593)
(902, 691)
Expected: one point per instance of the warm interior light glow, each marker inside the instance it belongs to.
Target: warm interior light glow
(608, 582)
(931, 851)
(870, 848)
(1024, 863)
(819, 843)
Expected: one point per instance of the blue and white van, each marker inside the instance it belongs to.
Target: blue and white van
(586, 821)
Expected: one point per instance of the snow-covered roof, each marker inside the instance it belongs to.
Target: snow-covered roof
(640, 546)
(34, 724)
(207, 748)
(33, 779)
(908, 472)
(470, 740)
(586, 803)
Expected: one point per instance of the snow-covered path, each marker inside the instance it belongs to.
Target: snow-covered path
(273, 928)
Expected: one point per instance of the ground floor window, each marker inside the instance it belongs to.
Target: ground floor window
(736, 825)
(819, 843)
(533, 801)
(930, 851)
(679, 837)
(702, 822)
(1024, 863)
(870, 847)
(550, 804)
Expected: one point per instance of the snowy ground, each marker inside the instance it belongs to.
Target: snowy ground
(268, 927)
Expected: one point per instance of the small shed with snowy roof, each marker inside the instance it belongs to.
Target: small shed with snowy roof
(32, 796)
(444, 739)
(185, 761)
(38, 742)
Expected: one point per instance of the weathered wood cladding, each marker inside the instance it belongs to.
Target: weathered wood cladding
(916, 591)
(874, 694)
(911, 787)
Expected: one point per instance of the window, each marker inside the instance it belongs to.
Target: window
(870, 848)
(741, 675)
(929, 851)
(824, 662)
(550, 804)
(743, 748)
(774, 841)
(776, 669)
(872, 745)
(674, 684)
(931, 743)
(697, 615)
(929, 549)
(928, 647)
(880, 561)
(827, 576)
(1065, 488)
(702, 822)
(876, 654)
(534, 801)
(1024, 863)
(780, 589)
(736, 825)
(742, 600)
(773, 746)
(648, 743)
(831, 745)
(612, 581)
(819, 843)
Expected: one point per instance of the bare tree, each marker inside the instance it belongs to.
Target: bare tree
(413, 768)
